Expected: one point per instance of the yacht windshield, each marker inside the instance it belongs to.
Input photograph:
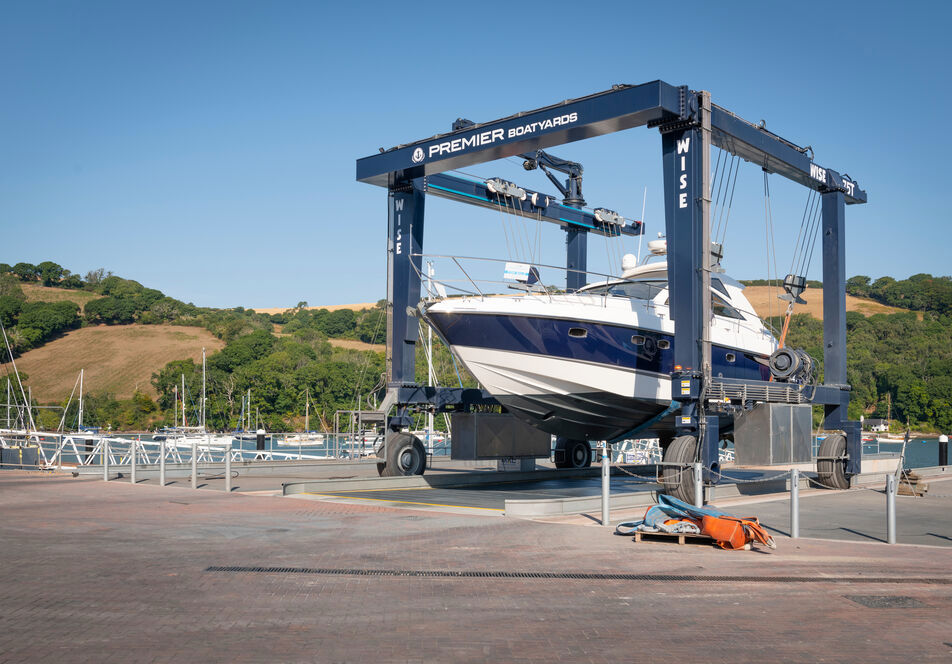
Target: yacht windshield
(640, 290)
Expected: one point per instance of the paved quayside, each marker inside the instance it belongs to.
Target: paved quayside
(98, 572)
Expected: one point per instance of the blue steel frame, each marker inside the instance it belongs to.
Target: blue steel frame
(675, 111)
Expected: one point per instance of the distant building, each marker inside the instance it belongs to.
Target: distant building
(876, 425)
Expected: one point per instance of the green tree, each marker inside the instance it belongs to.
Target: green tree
(94, 277)
(50, 273)
(48, 318)
(25, 271)
(9, 310)
(111, 311)
(10, 287)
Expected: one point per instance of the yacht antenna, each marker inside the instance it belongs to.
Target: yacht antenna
(644, 199)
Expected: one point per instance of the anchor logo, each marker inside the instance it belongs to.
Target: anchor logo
(417, 155)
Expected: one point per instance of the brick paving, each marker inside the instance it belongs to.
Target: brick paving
(112, 572)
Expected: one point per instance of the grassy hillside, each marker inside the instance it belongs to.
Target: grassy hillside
(117, 358)
(765, 303)
(36, 293)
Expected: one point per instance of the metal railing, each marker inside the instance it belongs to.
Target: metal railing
(80, 449)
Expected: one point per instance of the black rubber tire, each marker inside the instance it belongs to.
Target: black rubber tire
(831, 473)
(679, 481)
(405, 456)
(575, 453)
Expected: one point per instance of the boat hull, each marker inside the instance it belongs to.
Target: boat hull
(595, 387)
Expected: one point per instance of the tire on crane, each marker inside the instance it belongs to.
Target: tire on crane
(405, 455)
(678, 480)
(831, 471)
(572, 453)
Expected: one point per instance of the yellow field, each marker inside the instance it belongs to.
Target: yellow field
(329, 307)
(117, 358)
(354, 344)
(765, 303)
(37, 293)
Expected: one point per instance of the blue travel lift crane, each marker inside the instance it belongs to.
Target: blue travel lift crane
(689, 124)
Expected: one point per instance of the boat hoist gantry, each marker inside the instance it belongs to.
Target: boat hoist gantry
(689, 124)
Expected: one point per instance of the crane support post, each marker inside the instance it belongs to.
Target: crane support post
(834, 322)
(404, 246)
(682, 148)
(576, 258)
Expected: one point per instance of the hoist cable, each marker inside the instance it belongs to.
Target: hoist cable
(800, 233)
(730, 201)
(809, 238)
(716, 166)
(717, 184)
(771, 248)
(816, 233)
(505, 231)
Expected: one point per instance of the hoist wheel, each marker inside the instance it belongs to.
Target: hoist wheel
(405, 456)
(572, 453)
(679, 480)
(831, 463)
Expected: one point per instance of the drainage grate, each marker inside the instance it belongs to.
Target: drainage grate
(582, 576)
(886, 601)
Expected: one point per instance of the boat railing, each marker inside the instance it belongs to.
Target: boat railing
(473, 276)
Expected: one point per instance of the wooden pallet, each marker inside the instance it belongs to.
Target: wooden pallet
(678, 538)
(910, 484)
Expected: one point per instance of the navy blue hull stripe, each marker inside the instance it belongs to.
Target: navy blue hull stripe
(602, 343)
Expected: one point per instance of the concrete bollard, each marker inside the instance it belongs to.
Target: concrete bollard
(698, 485)
(890, 509)
(161, 463)
(606, 484)
(132, 462)
(194, 465)
(228, 469)
(105, 460)
(794, 503)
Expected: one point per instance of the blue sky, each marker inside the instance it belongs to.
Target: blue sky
(208, 149)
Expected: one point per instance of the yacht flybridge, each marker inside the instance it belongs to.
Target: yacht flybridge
(596, 363)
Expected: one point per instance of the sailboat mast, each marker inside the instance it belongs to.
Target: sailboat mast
(203, 389)
(307, 410)
(183, 400)
(8, 403)
(175, 405)
(81, 371)
(6, 342)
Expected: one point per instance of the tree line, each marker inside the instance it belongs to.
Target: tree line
(920, 292)
(897, 365)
